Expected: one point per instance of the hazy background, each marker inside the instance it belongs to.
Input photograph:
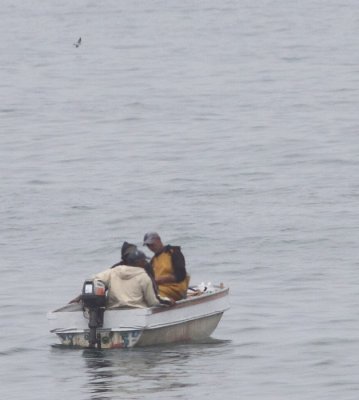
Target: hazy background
(231, 128)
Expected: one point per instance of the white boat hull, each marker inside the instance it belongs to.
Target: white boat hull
(194, 318)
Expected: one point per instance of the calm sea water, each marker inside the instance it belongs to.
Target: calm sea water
(230, 127)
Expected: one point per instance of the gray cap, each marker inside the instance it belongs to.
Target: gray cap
(150, 238)
(135, 256)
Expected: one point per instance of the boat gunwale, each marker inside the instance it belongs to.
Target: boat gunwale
(191, 301)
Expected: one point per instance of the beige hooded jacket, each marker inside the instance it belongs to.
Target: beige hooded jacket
(128, 287)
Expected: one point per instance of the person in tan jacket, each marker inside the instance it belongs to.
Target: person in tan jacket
(130, 285)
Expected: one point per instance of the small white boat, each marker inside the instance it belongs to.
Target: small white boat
(193, 318)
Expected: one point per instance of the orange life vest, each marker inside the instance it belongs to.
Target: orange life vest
(162, 265)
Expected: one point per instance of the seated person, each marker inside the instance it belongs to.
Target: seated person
(129, 285)
(126, 249)
(169, 267)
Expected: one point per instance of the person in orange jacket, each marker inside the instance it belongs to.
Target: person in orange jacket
(169, 267)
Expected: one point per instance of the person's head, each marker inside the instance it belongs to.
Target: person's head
(126, 249)
(136, 259)
(153, 241)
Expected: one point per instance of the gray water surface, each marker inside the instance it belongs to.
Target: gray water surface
(229, 127)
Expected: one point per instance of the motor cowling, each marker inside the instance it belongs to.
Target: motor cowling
(94, 300)
(94, 294)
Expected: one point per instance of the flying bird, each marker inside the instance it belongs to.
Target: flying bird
(77, 44)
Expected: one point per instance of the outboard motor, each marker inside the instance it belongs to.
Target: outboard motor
(94, 299)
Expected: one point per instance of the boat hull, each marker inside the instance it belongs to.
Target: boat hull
(191, 319)
(186, 331)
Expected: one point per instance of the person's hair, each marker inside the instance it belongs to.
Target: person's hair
(134, 257)
(126, 250)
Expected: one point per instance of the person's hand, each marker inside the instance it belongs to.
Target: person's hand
(167, 301)
(165, 279)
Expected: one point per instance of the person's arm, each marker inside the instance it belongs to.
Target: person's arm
(166, 279)
(149, 293)
(150, 296)
(104, 277)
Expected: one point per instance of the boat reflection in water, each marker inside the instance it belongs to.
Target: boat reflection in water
(137, 372)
